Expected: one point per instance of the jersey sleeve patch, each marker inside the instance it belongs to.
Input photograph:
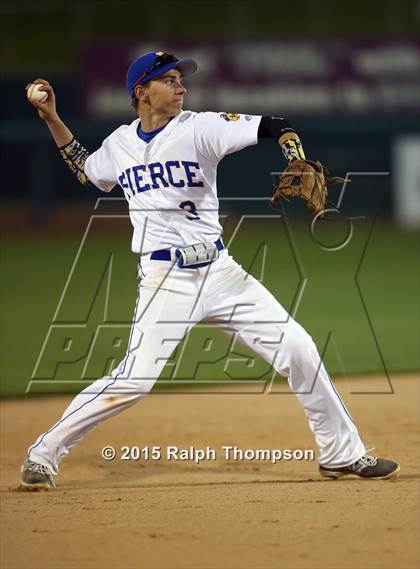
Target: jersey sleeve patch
(230, 116)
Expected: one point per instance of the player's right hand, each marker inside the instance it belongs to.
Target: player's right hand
(47, 111)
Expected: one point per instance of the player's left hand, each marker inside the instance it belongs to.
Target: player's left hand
(305, 179)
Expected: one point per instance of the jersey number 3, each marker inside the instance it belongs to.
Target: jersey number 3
(189, 207)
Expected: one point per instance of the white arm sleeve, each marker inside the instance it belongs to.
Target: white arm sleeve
(99, 167)
(218, 134)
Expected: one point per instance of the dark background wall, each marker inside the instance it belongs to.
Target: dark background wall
(50, 39)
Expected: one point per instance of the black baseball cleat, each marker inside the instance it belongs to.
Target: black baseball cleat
(36, 476)
(369, 467)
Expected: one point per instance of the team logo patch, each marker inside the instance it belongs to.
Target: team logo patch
(230, 116)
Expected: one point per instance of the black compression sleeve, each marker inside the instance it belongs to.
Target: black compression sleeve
(284, 134)
(274, 127)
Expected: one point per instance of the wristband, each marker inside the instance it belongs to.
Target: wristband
(291, 147)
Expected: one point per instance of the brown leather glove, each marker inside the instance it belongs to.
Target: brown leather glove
(305, 179)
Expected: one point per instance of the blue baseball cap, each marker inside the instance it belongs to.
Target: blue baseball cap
(153, 65)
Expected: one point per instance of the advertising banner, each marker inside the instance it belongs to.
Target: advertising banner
(263, 77)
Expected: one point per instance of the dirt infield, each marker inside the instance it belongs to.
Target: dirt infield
(217, 514)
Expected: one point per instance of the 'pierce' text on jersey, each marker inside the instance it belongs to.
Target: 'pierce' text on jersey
(173, 173)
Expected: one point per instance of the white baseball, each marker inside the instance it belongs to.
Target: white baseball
(34, 93)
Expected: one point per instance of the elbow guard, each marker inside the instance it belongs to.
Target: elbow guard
(75, 155)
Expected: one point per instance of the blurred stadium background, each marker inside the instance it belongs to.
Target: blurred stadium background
(347, 75)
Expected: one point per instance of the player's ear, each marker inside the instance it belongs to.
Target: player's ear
(141, 92)
(137, 91)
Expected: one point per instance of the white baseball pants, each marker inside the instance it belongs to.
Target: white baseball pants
(170, 302)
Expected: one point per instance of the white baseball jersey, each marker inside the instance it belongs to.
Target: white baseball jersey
(170, 182)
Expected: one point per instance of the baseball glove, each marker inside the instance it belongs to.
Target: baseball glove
(305, 179)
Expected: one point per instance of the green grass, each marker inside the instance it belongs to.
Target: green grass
(379, 310)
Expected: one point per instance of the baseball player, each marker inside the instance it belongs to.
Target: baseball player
(165, 161)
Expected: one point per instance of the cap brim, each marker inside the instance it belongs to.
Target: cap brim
(184, 66)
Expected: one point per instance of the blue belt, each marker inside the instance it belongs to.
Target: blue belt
(165, 255)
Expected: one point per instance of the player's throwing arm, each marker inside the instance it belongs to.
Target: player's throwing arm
(72, 152)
